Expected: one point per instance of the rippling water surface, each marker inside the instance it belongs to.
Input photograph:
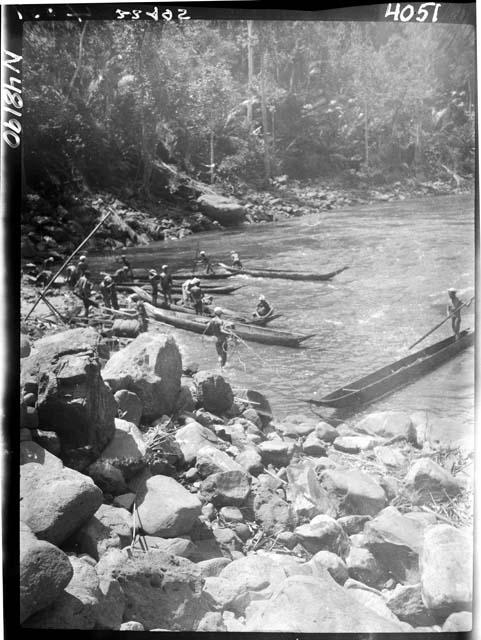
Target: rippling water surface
(402, 257)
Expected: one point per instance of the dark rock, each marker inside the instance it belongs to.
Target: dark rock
(353, 524)
(363, 566)
(406, 602)
(49, 440)
(111, 607)
(129, 406)
(25, 348)
(429, 480)
(110, 527)
(44, 573)
(213, 392)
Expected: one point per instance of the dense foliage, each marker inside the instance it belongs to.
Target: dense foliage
(107, 103)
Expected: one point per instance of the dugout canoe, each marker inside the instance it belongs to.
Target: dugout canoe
(231, 315)
(307, 276)
(396, 375)
(249, 332)
(210, 289)
(184, 274)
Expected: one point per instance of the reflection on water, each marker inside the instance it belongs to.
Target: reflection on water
(403, 256)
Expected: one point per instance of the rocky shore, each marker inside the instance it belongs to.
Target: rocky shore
(56, 229)
(153, 498)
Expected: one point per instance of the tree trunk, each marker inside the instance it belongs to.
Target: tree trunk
(79, 60)
(267, 159)
(212, 156)
(250, 66)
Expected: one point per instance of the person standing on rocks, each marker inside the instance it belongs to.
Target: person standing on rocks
(72, 276)
(84, 291)
(166, 284)
(154, 280)
(217, 328)
(109, 292)
(82, 265)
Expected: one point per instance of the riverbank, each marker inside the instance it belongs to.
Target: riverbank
(57, 227)
(158, 477)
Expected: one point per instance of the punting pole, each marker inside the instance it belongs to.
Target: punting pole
(465, 304)
(52, 280)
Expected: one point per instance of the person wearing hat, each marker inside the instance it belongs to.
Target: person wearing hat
(166, 284)
(82, 265)
(48, 263)
(196, 295)
(455, 308)
(263, 308)
(128, 270)
(72, 276)
(186, 291)
(154, 280)
(217, 327)
(120, 275)
(205, 262)
(235, 260)
(109, 292)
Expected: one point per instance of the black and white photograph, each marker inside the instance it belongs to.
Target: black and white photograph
(241, 243)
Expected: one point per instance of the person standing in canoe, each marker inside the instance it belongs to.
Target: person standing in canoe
(109, 292)
(166, 284)
(263, 308)
(217, 327)
(205, 262)
(154, 280)
(186, 291)
(455, 308)
(236, 263)
(126, 263)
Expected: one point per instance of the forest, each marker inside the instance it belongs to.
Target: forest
(127, 107)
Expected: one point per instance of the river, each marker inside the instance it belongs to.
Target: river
(402, 257)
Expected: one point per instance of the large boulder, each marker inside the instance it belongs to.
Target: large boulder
(77, 606)
(151, 367)
(447, 569)
(331, 562)
(165, 508)
(55, 500)
(161, 590)
(396, 541)
(276, 452)
(388, 424)
(308, 604)
(406, 602)
(110, 613)
(323, 532)
(109, 527)
(226, 211)
(72, 400)
(45, 571)
(428, 480)
(459, 621)
(376, 603)
(358, 492)
(214, 393)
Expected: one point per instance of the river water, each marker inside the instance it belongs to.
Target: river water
(402, 257)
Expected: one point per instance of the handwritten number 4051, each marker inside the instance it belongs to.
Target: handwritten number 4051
(405, 13)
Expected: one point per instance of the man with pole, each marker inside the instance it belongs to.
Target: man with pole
(454, 310)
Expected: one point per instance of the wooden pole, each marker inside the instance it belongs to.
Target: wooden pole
(52, 280)
(465, 304)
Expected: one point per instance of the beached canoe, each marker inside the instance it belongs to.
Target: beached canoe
(249, 332)
(396, 375)
(283, 274)
(209, 289)
(184, 274)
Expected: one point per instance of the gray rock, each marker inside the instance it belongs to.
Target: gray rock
(250, 460)
(212, 621)
(214, 393)
(355, 444)
(127, 442)
(73, 400)
(459, 621)
(227, 595)
(25, 347)
(426, 478)
(150, 366)
(271, 512)
(377, 604)
(125, 501)
(314, 446)
(406, 602)
(305, 604)
(55, 500)
(212, 567)
(44, 573)
(447, 569)
(211, 460)
(359, 492)
(109, 527)
(182, 546)
(165, 508)
(388, 424)
(111, 607)
(192, 438)
(161, 590)
(231, 514)
(77, 606)
(353, 524)
(226, 211)
(108, 477)
(228, 488)
(299, 425)
(129, 406)
(330, 562)
(390, 457)
(326, 432)
(323, 532)
(363, 566)
(276, 452)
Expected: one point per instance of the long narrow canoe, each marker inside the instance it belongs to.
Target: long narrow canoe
(231, 315)
(185, 274)
(244, 331)
(283, 274)
(396, 375)
(209, 288)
